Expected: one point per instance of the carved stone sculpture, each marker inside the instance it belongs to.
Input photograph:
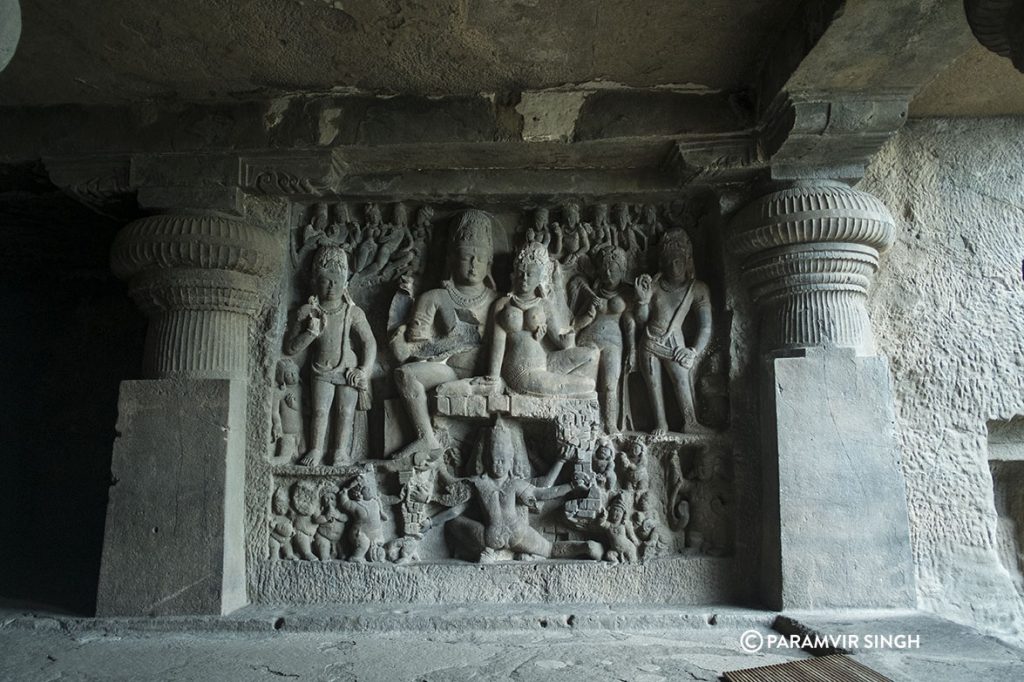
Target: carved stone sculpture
(281, 528)
(341, 357)
(523, 447)
(664, 304)
(635, 475)
(442, 340)
(700, 498)
(620, 540)
(603, 320)
(330, 524)
(360, 500)
(575, 241)
(503, 496)
(647, 527)
(286, 429)
(533, 348)
(305, 509)
(603, 465)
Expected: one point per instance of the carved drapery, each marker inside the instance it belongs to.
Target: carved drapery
(198, 279)
(809, 254)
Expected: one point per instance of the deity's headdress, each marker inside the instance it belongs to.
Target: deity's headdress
(331, 260)
(618, 503)
(473, 230)
(676, 244)
(534, 252)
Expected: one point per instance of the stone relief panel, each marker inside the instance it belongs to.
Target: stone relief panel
(454, 384)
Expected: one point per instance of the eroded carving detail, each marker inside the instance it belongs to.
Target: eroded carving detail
(521, 407)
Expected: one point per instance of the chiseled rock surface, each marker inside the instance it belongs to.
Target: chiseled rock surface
(946, 310)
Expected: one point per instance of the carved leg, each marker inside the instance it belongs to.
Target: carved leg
(608, 377)
(413, 381)
(323, 548)
(345, 403)
(577, 549)
(528, 541)
(323, 396)
(360, 546)
(650, 367)
(304, 546)
(465, 538)
(683, 380)
(275, 548)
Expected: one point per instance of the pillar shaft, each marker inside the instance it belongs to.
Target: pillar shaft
(836, 532)
(182, 433)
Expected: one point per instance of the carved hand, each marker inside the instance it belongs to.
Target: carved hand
(314, 325)
(684, 356)
(356, 378)
(630, 361)
(644, 289)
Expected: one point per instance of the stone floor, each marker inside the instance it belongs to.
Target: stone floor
(468, 644)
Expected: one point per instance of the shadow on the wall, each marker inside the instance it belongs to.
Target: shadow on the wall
(69, 335)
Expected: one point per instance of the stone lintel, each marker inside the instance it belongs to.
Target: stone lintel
(174, 542)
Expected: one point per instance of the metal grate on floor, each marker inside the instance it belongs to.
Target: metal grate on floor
(834, 668)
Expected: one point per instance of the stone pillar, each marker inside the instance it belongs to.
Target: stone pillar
(836, 532)
(174, 540)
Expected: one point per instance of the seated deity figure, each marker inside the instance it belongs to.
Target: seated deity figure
(574, 241)
(532, 350)
(665, 303)
(603, 320)
(341, 358)
(441, 341)
(503, 493)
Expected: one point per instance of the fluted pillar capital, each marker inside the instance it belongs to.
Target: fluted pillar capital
(809, 253)
(199, 278)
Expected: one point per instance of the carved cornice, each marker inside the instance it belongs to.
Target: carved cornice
(308, 175)
(719, 158)
(100, 182)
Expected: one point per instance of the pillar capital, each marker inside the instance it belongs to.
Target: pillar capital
(809, 253)
(200, 278)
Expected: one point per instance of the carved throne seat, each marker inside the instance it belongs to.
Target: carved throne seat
(465, 399)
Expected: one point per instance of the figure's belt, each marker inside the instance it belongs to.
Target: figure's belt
(334, 376)
(657, 346)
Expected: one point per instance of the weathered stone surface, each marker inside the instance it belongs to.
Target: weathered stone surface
(694, 580)
(840, 514)
(174, 542)
(946, 311)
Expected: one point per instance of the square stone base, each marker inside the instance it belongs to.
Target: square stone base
(174, 542)
(838, 531)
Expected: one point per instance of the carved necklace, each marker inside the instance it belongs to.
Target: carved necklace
(523, 303)
(461, 299)
(331, 311)
(669, 287)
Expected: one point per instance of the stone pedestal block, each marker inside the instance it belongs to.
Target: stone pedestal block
(834, 490)
(175, 536)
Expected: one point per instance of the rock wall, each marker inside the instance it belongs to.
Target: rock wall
(948, 313)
